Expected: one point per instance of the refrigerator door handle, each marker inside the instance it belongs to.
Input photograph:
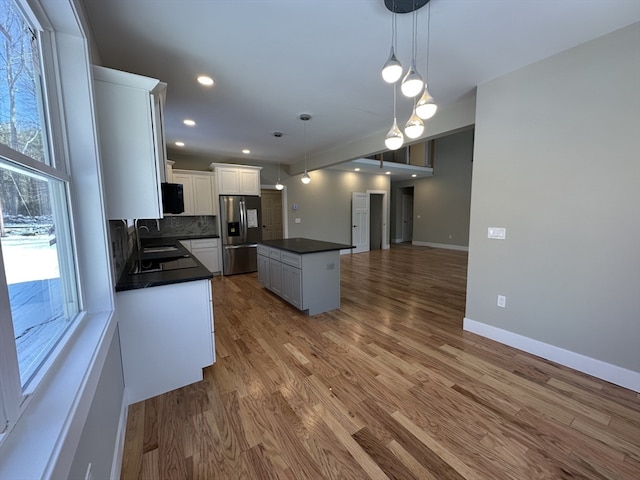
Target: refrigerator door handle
(243, 219)
(233, 247)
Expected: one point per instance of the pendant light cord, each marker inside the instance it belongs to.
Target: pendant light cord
(428, 35)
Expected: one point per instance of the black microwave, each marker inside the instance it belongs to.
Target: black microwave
(172, 198)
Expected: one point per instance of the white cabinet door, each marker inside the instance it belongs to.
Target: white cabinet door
(202, 195)
(228, 181)
(275, 276)
(206, 250)
(249, 182)
(292, 285)
(187, 191)
(132, 147)
(263, 271)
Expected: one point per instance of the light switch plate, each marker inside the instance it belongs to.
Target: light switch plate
(502, 301)
(298, 220)
(498, 233)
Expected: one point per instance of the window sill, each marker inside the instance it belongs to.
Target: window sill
(43, 442)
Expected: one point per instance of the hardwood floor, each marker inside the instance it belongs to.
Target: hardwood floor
(388, 386)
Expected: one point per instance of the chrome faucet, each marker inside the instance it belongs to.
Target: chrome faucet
(137, 229)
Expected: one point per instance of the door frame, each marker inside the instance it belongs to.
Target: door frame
(285, 210)
(385, 215)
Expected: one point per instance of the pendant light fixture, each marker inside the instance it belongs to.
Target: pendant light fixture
(279, 185)
(414, 126)
(394, 138)
(426, 106)
(412, 82)
(392, 69)
(305, 117)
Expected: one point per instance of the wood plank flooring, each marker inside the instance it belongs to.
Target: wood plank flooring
(388, 386)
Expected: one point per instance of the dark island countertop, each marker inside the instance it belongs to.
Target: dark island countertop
(184, 266)
(302, 246)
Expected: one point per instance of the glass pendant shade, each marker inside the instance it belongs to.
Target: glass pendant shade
(279, 186)
(394, 138)
(392, 69)
(305, 178)
(414, 126)
(412, 84)
(426, 106)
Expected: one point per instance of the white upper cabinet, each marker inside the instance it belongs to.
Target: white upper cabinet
(237, 179)
(198, 190)
(129, 111)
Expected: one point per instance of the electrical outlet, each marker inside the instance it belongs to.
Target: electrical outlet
(298, 220)
(502, 301)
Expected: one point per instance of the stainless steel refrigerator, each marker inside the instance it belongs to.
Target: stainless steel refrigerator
(241, 226)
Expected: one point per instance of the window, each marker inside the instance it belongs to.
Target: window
(38, 286)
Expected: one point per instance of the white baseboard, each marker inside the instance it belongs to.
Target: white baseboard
(611, 373)
(448, 246)
(116, 465)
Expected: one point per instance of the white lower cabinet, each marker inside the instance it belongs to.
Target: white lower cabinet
(206, 250)
(166, 337)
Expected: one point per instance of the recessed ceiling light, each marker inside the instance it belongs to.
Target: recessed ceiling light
(357, 169)
(179, 144)
(189, 122)
(387, 173)
(246, 151)
(205, 80)
(414, 175)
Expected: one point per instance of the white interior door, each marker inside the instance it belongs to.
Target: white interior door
(360, 222)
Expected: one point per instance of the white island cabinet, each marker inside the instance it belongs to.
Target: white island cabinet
(132, 147)
(166, 337)
(304, 272)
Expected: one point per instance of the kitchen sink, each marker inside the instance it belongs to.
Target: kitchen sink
(160, 249)
(162, 265)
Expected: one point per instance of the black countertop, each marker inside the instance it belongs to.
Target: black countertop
(304, 245)
(170, 259)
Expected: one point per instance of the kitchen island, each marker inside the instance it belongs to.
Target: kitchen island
(302, 271)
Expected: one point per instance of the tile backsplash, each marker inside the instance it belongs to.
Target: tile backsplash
(174, 226)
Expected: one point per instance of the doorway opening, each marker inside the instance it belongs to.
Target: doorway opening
(272, 218)
(406, 215)
(369, 214)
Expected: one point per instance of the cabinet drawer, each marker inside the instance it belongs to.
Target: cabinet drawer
(263, 250)
(204, 243)
(275, 253)
(292, 259)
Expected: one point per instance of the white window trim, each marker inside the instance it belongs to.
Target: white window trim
(43, 442)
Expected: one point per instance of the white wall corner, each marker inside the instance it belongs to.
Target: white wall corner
(118, 452)
(605, 371)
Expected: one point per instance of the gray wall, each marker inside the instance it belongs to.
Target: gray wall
(324, 205)
(442, 201)
(557, 162)
(101, 428)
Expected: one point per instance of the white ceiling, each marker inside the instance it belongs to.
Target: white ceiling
(275, 59)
